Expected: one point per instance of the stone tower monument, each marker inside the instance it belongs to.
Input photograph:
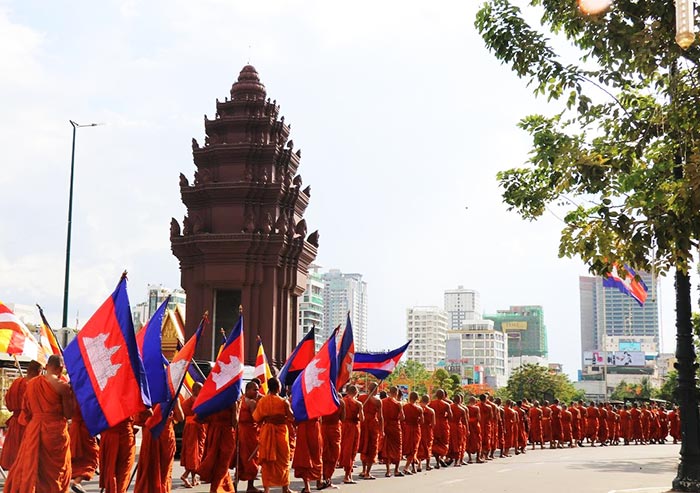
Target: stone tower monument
(244, 239)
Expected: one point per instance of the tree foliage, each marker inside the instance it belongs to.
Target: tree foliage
(537, 382)
(411, 373)
(442, 379)
(668, 389)
(626, 390)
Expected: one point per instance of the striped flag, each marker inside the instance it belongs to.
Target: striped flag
(262, 369)
(15, 337)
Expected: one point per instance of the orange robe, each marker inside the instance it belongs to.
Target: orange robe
(474, 439)
(566, 426)
(425, 447)
(273, 454)
(592, 423)
(15, 426)
(391, 450)
(646, 423)
(307, 454)
(556, 422)
(602, 424)
(487, 422)
(674, 419)
(84, 451)
(522, 427)
(546, 424)
(247, 460)
(43, 462)
(194, 435)
(350, 434)
(413, 417)
(510, 428)
(154, 472)
(625, 425)
(218, 452)
(496, 440)
(575, 423)
(613, 419)
(330, 434)
(369, 430)
(535, 424)
(456, 432)
(117, 452)
(441, 432)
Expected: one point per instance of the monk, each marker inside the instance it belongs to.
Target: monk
(307, 454)
(602, 424)
(474, 439)
(154, 472)
(510, 427)
(487, 421)
(246, 462)
(592, 423)
(350, 432)
(193, 437)
(575, 423)
(498, 428)
(546, 422)
(536, 425)
(663, 424)
(523, 426)
(392, 412)
(371, 430)
(674, 420)
(556, 425)
(613, 424)
(219, 449)
(117, 453)
(646, 423)
(411, 433)
(15, 426)
(331, 433)
(425, 447)
(458, 428)
(84, 450)
(567, 435)
(441, 430)
(272, 413)
(43, 461)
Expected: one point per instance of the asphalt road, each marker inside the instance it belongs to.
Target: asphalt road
(620, 469)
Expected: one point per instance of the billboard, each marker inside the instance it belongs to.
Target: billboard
(629, 346)
(614, 358)
(515, 325)
(593, 358)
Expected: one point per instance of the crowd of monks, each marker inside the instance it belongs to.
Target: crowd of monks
(259, 435)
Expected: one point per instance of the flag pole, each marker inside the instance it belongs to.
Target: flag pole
(236, 414)
(19, 367)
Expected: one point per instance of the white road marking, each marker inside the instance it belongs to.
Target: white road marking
(453, 481)
(505, 470)
(650, 489)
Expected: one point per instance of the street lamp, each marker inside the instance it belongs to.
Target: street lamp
(64, 322)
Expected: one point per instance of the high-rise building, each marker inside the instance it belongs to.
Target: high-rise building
(479, 353)
(311, 307)
(527, 335)
(462, 305)
(343, 293)
(426, 326)
(142, 312)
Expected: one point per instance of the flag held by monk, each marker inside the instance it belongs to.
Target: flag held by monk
(313, 392)
(15, 337)
(297, 361)
(150, 344)
(379, 364)
(346, 356)
(104, 365)
(47, 338)
(262, 369)
(627, 284)
(222, 388)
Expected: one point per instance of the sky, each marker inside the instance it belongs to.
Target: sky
(403, 117)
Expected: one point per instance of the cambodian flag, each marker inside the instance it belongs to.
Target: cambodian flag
(297, 361)
(177, 370)
(313, 392)
(222, 388)
(346, 356)
(150, 343)
(104, 365)
(379, 364)
(629, 285)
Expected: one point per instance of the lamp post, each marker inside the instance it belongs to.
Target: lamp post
(64, 321)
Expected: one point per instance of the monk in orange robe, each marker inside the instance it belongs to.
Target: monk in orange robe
(535, 414)
(219, 449)
(154, 472)
(625, 424)
(15, 425)
(370, 430)
(441, 430)
(546, 422)
(193, 438)
(425, 447)
(567, 418)
(592, 423)
(117, 453)
(474, 438)
(84, 450)
(43, 462)
(575, 423)
(674, 420)
(523, 426)
(392, 412)
(602, 424)
(330, 435)
(307, 454)
(454, 452)
(613, 419)
(556, 425)
(246, 462)
(510, 427)
(496, 439)
(487, 421)
(663, 424)
(272, 413)
(646, 423)
(413, 419)
(350, 432)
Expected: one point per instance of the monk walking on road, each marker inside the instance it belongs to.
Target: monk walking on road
(536, 425)
(392, 413)
(84, 450)
(413, 419)
(350, 432)
(425, 447)
(193, 437)
(43, 462)
(371, 430)
(441, 431)
(247, 435)
(331, 435)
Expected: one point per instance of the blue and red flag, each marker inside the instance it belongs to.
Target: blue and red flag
(150, 343)
(379, 364)
(222, 388)
(313, 392)
(346, 356)
(104, 365)
(627, 285)
(297, 361)
(177, 370)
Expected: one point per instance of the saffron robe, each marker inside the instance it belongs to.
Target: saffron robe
(117, 453)
(369, 430)
(273, 453)
(457, 428)
(602, 424)
(474, 439)
(218, 452)
(413, 418)
(575, 423)
(487, 421)
(592, 423)
(441, 430)
(247, 460)
(546, 424)
(307, 454)
(535, 424)
(43, 461)
(510, 428)
(350, 433)
(84, 451)
(330, 435)
(566, 418)
(425, 447)
(15, 425)
(391, 450)
(556, 422)
(194, 435)
(154, 472)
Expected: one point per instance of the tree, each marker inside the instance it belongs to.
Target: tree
(443, 380)
(626, 390)
(669, 388)
(535, 382)
(620, 155)
(411, 373)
